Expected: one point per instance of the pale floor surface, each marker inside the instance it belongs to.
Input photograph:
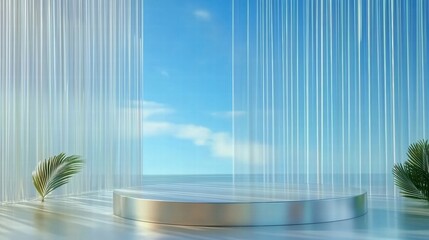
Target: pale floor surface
(90, 217)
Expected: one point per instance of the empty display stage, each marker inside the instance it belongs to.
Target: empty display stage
(223, 204)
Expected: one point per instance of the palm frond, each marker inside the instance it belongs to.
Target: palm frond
(54, 172)
(412, 177)
(405, 184)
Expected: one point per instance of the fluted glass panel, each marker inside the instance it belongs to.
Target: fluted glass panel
(275, 91)
(335, 91)
(70, 81)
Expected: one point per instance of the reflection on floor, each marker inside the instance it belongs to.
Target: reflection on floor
(90, 217)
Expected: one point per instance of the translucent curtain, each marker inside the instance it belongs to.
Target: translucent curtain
(70, 81)
(334, 91)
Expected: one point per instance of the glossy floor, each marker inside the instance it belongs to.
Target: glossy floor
(90, 217)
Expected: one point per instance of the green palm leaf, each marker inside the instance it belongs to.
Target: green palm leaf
(54, 172)
(412, 177)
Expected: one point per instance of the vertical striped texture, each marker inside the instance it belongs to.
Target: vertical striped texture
(70, 81)
(335, 91)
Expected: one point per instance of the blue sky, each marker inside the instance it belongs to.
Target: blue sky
(333, 87)
(187, 85)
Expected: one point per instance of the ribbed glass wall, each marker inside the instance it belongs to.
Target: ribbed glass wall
(70, 81)
(276, 91)
(334, 91)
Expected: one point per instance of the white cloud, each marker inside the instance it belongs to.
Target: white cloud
(198, 134)
(228, 114)
(145, 112)
(202, 14)
(152, 128)
(150, 109)
(221, 144)
(224, 146)
(165, 74)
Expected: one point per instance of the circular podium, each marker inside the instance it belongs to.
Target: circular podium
(221, 204)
